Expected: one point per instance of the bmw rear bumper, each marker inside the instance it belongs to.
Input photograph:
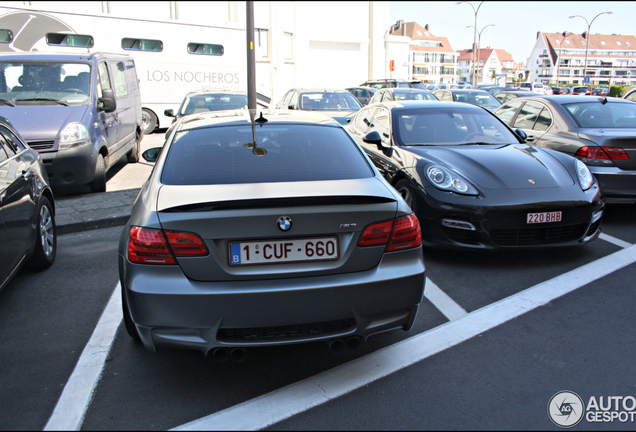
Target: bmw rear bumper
(172, 311)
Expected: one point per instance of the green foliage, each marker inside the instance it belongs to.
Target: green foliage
(616, 90)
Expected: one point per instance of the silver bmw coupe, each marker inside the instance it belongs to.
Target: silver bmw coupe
(266, 230)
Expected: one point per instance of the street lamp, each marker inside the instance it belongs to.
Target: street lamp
(587, 43)
(474, 33)
(565, 36)
(479, 43)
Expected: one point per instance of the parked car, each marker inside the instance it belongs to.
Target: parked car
(547, 90)
(600, 132)
(505, 96)
(557, 90)
(203, 101)
(417, 84)
(27, 207)
(392, 83)
(335, 103)
(580, 90)
(535, 87)
(473, 182)
(476, 97)
(81, 112)
(494, 90)
(258, 232)
(363, 94)
(399, 94)
(630, 95)
(600, 91)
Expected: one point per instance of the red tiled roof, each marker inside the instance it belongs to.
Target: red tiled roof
(595, 41)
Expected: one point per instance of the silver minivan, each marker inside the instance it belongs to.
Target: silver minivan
(80, 112)
(535, 87)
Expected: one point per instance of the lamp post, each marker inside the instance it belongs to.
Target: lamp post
(474, 33)
(565, 36)
(587, 44)
(479, 43)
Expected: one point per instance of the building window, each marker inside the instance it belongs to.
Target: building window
(70, 40)
(205, 49)
(261, 40)
(288, 46)
(131, 44)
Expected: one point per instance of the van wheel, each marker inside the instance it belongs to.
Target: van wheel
(99, 182)
(45, 239)
(148, 121)
(133, 156)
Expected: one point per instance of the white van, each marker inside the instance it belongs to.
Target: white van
(534, 87)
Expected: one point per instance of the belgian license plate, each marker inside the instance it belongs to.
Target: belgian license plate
(283, 251)
(544, 217)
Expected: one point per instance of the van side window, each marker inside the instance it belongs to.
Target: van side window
(142, 44)
(104, 79)
(119, 80)
(206, 49)
(70, 40)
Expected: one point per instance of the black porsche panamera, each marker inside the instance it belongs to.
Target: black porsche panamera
(473, 182)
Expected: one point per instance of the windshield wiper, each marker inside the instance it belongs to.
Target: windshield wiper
(7, 102)
(43, 99)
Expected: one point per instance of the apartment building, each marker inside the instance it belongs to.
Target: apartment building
(493, 66)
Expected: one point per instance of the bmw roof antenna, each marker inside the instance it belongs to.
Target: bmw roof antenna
(604, 101)
(261, 119)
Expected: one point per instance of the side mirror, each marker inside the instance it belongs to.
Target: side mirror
(374, 138)
(169, 113)
(290, 107)
(151, 155)
(107, 102)
(521, 134)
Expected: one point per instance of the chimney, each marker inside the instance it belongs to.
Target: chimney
(426, 27)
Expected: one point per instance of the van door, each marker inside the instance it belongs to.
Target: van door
(125, 111)
(109, 121)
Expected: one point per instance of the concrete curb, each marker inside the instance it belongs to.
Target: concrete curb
(94, 211)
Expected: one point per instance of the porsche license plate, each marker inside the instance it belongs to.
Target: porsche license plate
(283, 251)
(544, 217)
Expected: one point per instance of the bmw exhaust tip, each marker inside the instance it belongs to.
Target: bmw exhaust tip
(337, 345)
(238, 355)
(354, 343)
(221, 355)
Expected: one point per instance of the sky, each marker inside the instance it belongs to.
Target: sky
(516, 23)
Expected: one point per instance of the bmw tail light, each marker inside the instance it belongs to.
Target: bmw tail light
(406, 234)
(399, 234)
(153, 246)
(376, 235)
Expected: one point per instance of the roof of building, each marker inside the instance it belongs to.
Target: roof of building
(484, 54)
(418, 33)
(596, 42)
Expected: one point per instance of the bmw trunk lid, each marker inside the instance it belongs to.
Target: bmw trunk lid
(299, 219)
(622, 138)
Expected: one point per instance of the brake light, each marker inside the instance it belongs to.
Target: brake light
(153, 246)
(399, 234)
(602, 153)
(406, 234)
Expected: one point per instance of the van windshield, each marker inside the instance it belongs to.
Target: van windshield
(45, 83)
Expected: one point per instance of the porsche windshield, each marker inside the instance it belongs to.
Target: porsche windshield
(450, 126)
(45, 83)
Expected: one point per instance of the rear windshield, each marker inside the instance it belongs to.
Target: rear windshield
(599, 115)
(265, 154)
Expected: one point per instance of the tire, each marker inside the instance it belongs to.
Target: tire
(128, 322)
(46, 237)
(405, 189)
(148, 121)
(134, 155)
(99, 182)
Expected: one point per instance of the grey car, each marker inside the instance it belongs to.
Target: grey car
(266, 231)
(599, 131)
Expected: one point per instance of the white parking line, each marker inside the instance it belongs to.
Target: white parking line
(614, 240)
(443, 302)
(296, 398)
(73, 403)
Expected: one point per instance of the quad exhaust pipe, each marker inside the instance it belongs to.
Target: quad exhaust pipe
(339, 345)
(221, 355)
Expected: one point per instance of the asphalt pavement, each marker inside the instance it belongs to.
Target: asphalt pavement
(76, 209)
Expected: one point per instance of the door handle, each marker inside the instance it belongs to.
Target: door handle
(26, 175)
(530, 138)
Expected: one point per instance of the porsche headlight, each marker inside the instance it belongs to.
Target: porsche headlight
(73, 135)
(448, 180)
(586, 180)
